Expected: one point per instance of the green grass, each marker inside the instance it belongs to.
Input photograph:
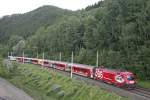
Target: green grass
(38, 82)
(145, 84)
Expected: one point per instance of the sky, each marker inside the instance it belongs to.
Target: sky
(8, 7)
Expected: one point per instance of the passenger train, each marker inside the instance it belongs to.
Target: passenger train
(110, 76)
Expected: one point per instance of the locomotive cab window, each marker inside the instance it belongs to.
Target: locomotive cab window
(130, 78)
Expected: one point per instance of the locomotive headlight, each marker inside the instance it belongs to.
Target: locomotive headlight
(131, 82)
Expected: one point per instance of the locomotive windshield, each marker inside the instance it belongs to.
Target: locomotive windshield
(130, 77)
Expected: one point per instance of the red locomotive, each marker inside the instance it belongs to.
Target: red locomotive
(111, 76)
(116, 77)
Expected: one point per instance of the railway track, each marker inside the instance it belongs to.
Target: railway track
(141, 91)
(138, 93)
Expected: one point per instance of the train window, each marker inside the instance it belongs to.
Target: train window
(82, 70)
(130, 77)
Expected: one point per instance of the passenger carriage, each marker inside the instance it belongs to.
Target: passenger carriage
(60, 65)
(83, 70)
(27, 60)
(19, 59)
(35, 61)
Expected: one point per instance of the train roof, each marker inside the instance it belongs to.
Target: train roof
(110, 70)
(82, 66)
(74, 64)
(117, 71)
(60, 62)
(18, 57)
(27, 58)
(34, 59)
(127, 72)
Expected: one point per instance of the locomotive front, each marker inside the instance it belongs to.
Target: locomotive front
(129, 79)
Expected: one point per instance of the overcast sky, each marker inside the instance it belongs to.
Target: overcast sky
(8, 7)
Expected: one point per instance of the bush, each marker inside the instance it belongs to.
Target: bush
(8, 68)
(3, 71)
(61, 93)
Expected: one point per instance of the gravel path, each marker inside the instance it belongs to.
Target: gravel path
(10, 92)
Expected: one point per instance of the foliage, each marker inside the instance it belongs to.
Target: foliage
(3, 70)
(14, 39)
(144, 84)
(96, 5)
(26, 24)
(3, 50)
(8, 69)
(19, 46)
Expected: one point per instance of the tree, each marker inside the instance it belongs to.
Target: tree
(19, 47)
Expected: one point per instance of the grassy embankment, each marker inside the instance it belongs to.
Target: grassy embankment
(145, 84)
(39, 83)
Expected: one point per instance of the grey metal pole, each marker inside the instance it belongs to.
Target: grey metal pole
(23, 57)
(97, 60)
(71, 63)
(37, 55)
(11, 53)
(60, 56)
(8, 56)
(43, 60)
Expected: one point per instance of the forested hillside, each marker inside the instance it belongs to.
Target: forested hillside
(26, 24)
(118, 29)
